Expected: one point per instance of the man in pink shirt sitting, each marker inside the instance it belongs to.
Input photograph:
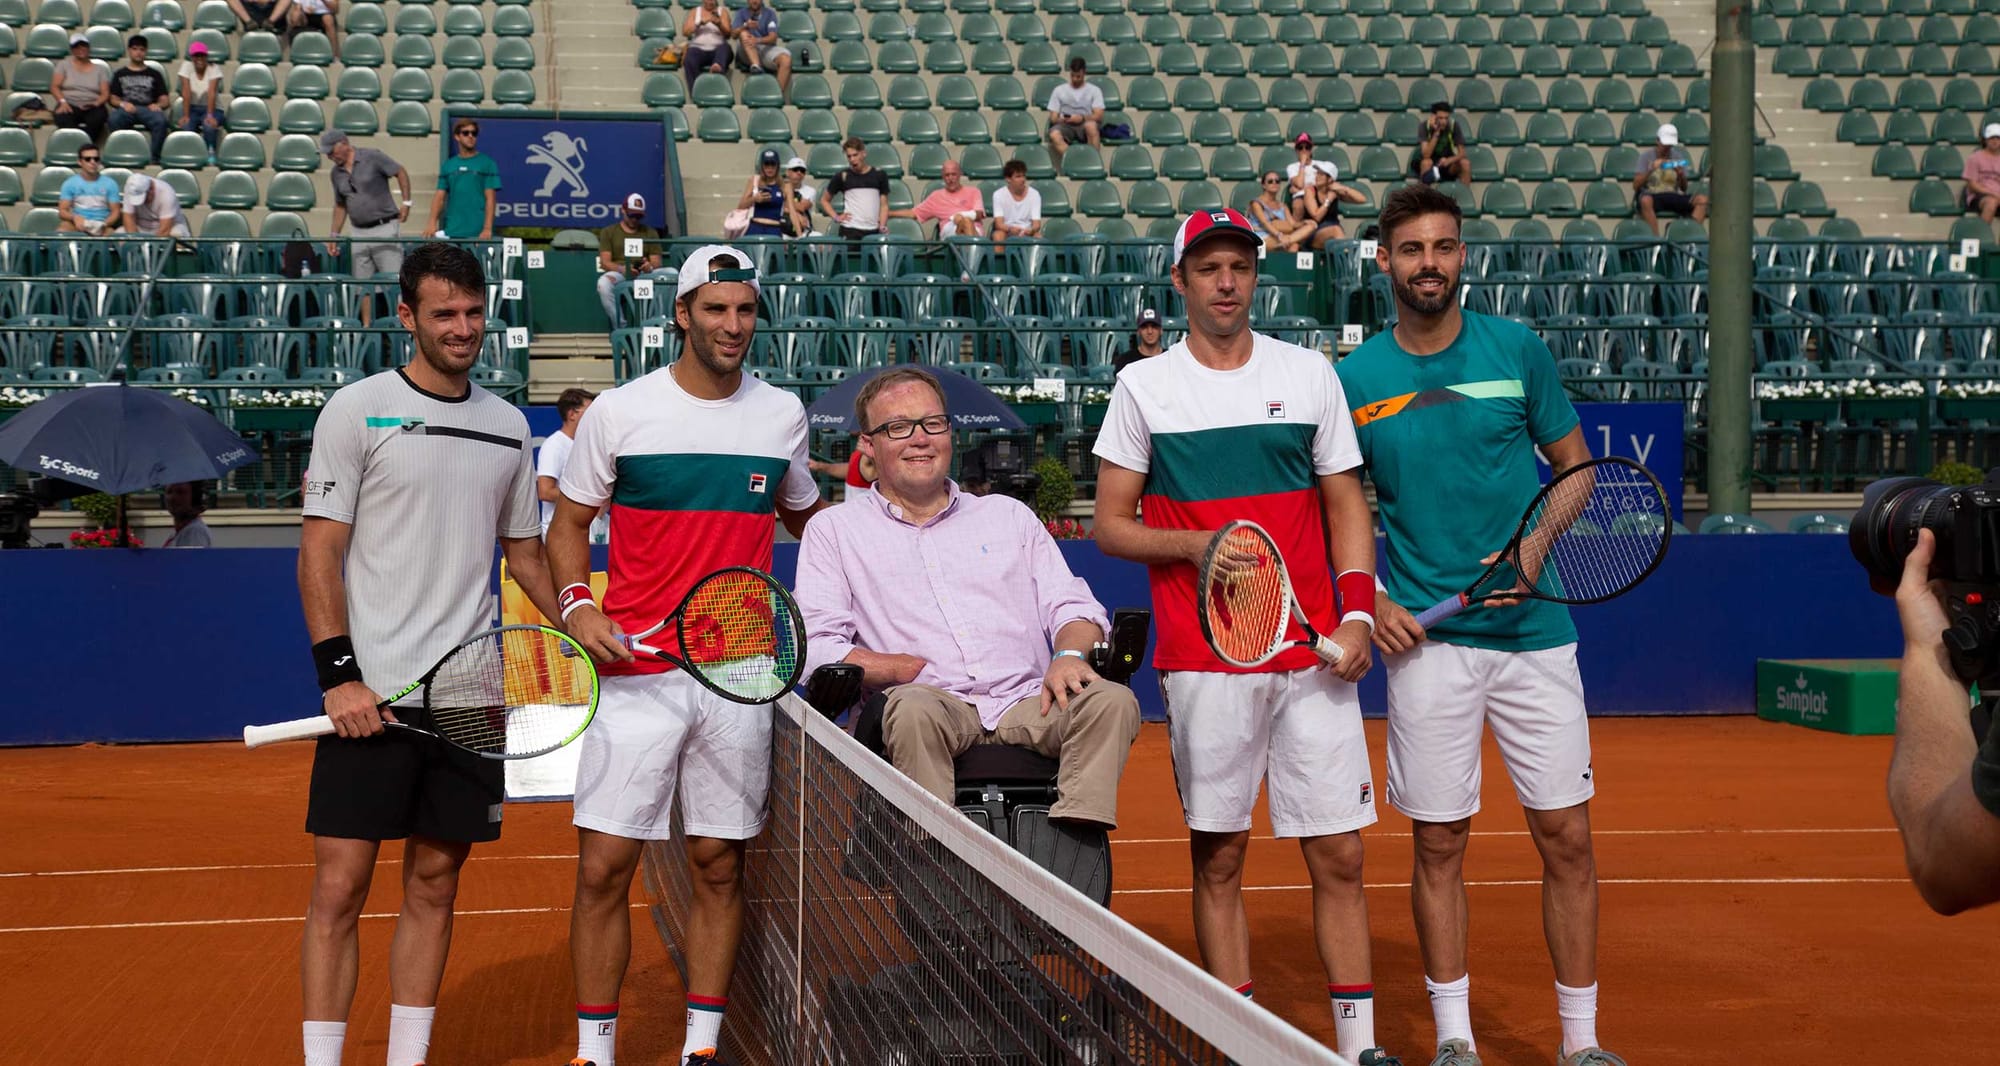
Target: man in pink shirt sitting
(952, 602)
(957, 208)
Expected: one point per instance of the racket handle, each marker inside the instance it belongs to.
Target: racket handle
(1326, 649)
(256, 736)
(1441, 612)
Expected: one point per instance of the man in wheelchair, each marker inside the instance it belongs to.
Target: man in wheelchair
(961, 610)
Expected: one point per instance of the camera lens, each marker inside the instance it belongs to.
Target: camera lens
(1885, 528)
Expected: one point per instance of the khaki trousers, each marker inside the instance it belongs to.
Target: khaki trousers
(925, 728)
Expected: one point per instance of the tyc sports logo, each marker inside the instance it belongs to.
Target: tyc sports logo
(69, 471)
(563, 156)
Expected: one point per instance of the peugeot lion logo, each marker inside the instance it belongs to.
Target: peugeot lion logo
(563, 155)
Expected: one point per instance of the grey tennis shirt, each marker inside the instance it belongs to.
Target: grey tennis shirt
(363, 188)
(427, 483)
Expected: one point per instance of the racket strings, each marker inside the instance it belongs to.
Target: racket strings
(1594, 534)
(511, 692)
(1244, 596)
(742, 632)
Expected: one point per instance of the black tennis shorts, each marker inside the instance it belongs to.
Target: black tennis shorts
(401, 784)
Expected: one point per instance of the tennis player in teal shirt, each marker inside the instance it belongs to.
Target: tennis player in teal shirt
(1449, 409)
(468, 183)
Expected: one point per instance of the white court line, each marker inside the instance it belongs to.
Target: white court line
(264, 921)
(1369, 834)
(1719, 881)
(250, 866)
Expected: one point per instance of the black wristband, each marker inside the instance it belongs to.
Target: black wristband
(333, 658)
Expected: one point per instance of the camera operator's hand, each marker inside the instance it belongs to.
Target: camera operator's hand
(1919, 600)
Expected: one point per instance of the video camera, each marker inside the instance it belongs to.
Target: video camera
(1004, 463)
(1965, 520)
(19, 509)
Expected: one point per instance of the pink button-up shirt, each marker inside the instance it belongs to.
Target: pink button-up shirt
(978, 592)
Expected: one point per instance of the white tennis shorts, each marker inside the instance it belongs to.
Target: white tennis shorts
(1298, 729)
(656, 731)
(1439, 696)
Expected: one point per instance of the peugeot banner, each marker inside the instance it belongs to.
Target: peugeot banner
(1651, 434)
(573, 173)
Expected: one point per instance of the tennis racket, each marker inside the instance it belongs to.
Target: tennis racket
(737, 632)
(509, 693)
(1246, 602)
(1592, 533)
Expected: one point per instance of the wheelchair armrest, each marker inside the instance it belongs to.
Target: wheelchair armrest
(1124, 650)
(833, 688)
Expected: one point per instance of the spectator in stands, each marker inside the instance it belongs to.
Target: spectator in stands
(1321, 204)
(1661, 182)
(81, 88)
(1076, 107)
(139, 95)
(201, 96)
(468, 184)
(951, 602)
(758, 46)
(957, 208)
(1017, 209)
(554, 455)
(315, 15)
(185, 501)
(153, 208)
(1273, 218)
(259, 15)
(89, 200)
(361, 189)
(799, 195)
(1299, 175)
(1982, 176)
(864, 191)
(857, 472)
(765, 198)
(1440, 154)
(707, 33)
(615, 259)
(1145, 342)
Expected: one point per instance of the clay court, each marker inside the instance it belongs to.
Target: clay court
(1753, 898)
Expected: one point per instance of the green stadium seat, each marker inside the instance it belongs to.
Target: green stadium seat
(1941, 161)
(810, 92)
(47, 188)
(1163, 128)
(914, 127)
(356, 117)
(1504, 199)
(1356, 128)
(1260, 128)
(46, 42)
(1607, 199)
(714, 90)
(253, 79)
(409, 120)
(63, 145)
(1851, 30)
(460, 53)
(1614, 95)
(513, 22)
(897, 57)
(1499, 129)
(1573, 162)
(1772, 163)
(1382, 95)
(1098, 199)
(301, 116)
(1677, 61)
(296, 152)
(1971, 58)
(307, 83)
(1764, 200)
(468, 87)
(249, 115)
(1953, 127)
(768, 125)
(819, 127)
(1590, 61)
(871, 126)
(359, 83)
(1542, 61)
(1806, 30)
(1132, 163)
(1524, 96)
(358, 50)
(17, 147)
(417, 21)
(131, 149)
(1427, 91)
(234, 190)
(1149, 199)
(290, 192)
(1895, 161)
(311, 48)
(464, 20)
(1289, 94)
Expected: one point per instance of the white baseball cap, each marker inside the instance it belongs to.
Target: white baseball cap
(795, 163)
(1992, 130)
(137, 187)
(635, 202)
(1670, 135)
(695, 270)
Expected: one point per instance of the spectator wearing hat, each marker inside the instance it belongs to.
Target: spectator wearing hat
(1277, 220)
(957, 208)
(1146, 342)
(1299, 175)
(261, 15)
(799, 196)
(1076, 107)
(153, 208)
(1982, 176)
(1319, 204)
(1660, 182)
(615, 260)
(1017, 208)
(758, 46)
(1440, 154)
(82, 88)
(361, 190)
(468, 185)
(764, 197)
(201, 96)
(139, 95)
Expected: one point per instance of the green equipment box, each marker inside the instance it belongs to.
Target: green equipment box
(1853, 696)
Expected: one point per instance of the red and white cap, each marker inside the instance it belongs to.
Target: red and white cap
(1204, 225)
(696, 272)
(635, 202)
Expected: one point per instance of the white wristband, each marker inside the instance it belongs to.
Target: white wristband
(1068, 651)
(1363, 615)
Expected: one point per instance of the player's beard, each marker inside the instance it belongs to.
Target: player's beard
(432, 347)
(709, 354)
(1407, 295)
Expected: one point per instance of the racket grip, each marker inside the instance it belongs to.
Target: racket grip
(256, 736)
(1441, 612)
(1326, 649)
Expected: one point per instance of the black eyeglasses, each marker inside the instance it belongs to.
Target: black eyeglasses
(905, 428)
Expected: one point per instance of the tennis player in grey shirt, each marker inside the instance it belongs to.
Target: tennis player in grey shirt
(415, 472)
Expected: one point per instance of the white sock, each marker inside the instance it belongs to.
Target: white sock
(1578, 1008)
(409, 1034)
(323, 1042)
(704, 1023)
(1451, 1009)
(1353, 1018)
(597, 1033)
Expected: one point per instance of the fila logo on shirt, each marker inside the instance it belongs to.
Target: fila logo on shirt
(1367, 793)
(1274, 408)
(757, 482)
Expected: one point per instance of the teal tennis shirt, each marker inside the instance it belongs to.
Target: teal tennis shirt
(465, 180)
(1449, 441)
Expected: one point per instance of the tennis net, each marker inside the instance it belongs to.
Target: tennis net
(884, 928)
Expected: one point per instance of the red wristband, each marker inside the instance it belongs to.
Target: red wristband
(573, 596)
(1356, 591)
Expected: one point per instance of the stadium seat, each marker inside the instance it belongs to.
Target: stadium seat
(290, 192)
(259, 46)
(359, 83)
(303, 116)
(360, 50)
(1098, 199)
(1732, 523)
(234, 190)
(62, 146)
(296, 152)
(307, 83)
(409, 119)
(468, 87)
(311, 48)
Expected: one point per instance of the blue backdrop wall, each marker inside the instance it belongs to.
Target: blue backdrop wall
(193, 645)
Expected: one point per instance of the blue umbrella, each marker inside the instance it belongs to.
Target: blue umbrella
(971, 404)
(117, 439)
